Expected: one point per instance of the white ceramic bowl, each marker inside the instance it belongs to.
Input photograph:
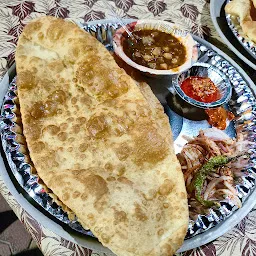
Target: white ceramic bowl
(184, 37)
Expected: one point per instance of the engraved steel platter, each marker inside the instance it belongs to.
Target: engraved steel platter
(242, 104)
(235, 27)
(218, 16)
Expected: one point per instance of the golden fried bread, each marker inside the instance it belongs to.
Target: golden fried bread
(239, 8)
(245, 11)
(98, 141)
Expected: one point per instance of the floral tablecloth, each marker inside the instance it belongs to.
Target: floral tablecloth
(192, 15)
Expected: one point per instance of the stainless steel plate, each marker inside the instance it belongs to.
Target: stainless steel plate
(245, 42)
(220, 23)
(242, 104)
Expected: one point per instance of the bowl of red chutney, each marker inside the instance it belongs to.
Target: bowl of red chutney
(203, 86)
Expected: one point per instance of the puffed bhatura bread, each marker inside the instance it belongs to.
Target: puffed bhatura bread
(98, 141)
(245, 11)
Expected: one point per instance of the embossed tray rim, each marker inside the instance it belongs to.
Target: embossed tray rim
(191, 243)
(215, 9)
(245, 42)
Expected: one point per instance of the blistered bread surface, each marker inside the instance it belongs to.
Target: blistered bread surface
(98, 141)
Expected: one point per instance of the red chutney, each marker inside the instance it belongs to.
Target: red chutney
(201, 89)
(217, 117)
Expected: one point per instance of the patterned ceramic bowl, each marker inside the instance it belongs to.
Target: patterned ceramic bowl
(184, 37)
(204, 70)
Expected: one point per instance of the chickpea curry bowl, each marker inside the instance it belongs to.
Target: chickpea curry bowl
(155, 47)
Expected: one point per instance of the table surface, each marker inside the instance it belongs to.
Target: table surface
(191, 15)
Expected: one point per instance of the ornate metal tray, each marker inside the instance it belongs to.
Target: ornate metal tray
(219, 20)
(233, 24)
(242, 104)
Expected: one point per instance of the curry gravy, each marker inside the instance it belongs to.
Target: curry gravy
(155, 49)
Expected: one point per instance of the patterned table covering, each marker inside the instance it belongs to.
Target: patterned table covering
(192, 15)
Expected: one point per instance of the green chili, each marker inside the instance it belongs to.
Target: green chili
(198, 181)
